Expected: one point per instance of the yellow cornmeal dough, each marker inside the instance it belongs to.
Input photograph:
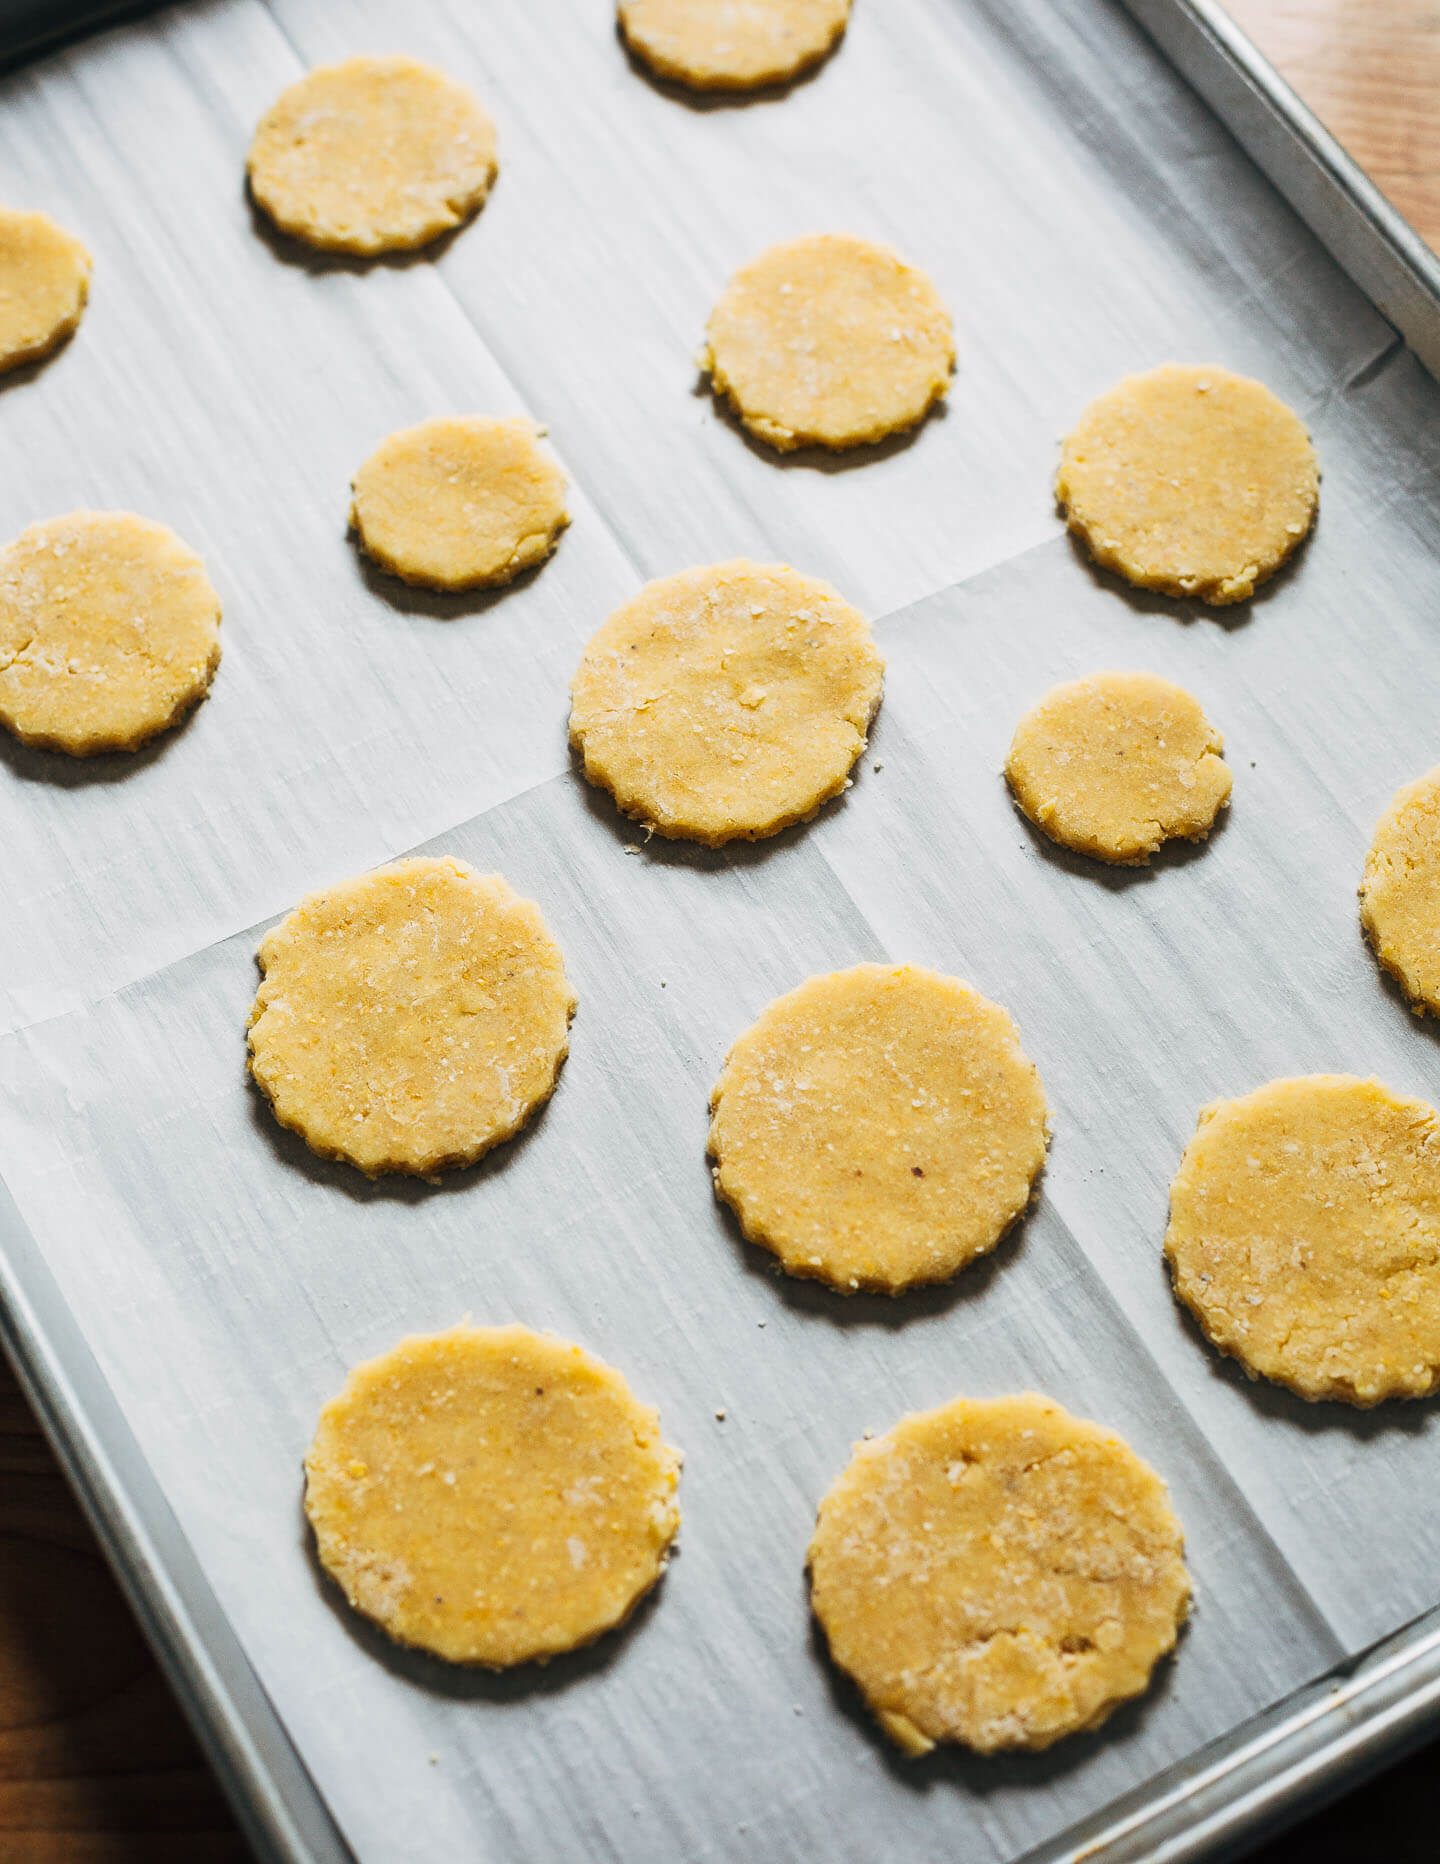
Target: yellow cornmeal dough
(997, 1573)
(411, 1018)
(109, 631)
(1117, 763)
(732, 45)
(374, 155)
(1400, 894)
(460, 503)
(829, 341)
(491, 1494)
(1195, 482)
(878, 1127)
(44, 281)
(1305, 1237)
(726, 702)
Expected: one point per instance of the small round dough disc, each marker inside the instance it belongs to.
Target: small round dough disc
(1195, 482)
(997, 1573)
(460, 503)
(1400, 894)
(109, 632)
(1115, 764)
(44, 281)
(491, 1494)
(829, 341)
(1305, 1237)
(726, 703)
(373, 155)
(878, 1127)
(731, 45)
(411, 1018)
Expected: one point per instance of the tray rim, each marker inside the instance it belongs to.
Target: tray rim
(1315, 1744)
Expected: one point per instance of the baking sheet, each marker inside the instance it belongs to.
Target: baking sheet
(1084, 215)
(1080, 225)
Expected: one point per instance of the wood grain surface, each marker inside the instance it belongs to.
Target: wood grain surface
(96, 1764)
(1370, 70)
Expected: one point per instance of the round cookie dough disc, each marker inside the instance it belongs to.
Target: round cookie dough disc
(410, 1019)
(492, 1495)
(1400, 894)
(374, 155)
(1195, 482)
(109, 631)
(1115, 764)
(726, 703)
(731, 45)
(44, 281)
(829, 341)
(997, 1573)
(460, 503)
(1305, 1237)
(878, 1127)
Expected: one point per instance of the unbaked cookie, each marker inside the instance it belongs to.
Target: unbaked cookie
(109, 632)
(1195, 482)
(829, 341)
(44, 281)
(1117, 763)
(732, 45)
(373, 155)
(878, 1127)
(997, 1573)
(1305, 1237)
(491, 1494)
(410, 1019)
(460, 503)
(726, 703)
(1400, 894)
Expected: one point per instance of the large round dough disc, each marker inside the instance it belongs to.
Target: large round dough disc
(1305, 1236)
(491, 1495)
(109, 632)
(44, 282)
(411, 1018)
(878, 1127)
(1192, 481)
(829, 341)
(726, 703)
(373, 155)
(731, 45)
(1115, 764)
(997, 1573)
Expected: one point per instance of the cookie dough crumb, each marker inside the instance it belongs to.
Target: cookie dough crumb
(372, 155)
(877, 1128)
(411, 1018)
(1305, 1237)
(726, 703)
(109, 632)
(460, 503)
(492, 1495)
(829, 341)
(1117, 763)
(997, 1573)
(44, 282)
(1190, 481)
(731, 45)
(1400, 893)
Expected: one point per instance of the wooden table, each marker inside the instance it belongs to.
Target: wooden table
(1370, 70)
(96, 1764)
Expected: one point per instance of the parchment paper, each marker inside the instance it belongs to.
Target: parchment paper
(1084, 216)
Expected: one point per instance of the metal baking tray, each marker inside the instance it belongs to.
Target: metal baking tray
(183, 1284)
